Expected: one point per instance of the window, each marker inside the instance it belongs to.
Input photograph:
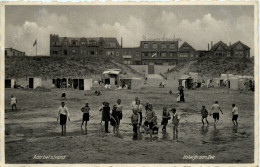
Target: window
(172, 46)
(81, 52)
(111, 44)
(74, 43)
(65, 52)
(110, 53)
(6, 52)
(171, 55)
(117, 53)
(73, 51)
(155, 46)
(55, 52)
(163, 54)
(145, 54)
(83, 43)
(65, 43)
(92, 43)
(146, 45)
(163, 46)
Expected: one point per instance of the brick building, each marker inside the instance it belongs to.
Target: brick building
(186, 51)
(159, 52)
(239, 50)
(13, 52)
(66, 46)
(131, 55)
(148, 53)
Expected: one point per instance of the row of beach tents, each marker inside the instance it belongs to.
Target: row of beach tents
(234, 82)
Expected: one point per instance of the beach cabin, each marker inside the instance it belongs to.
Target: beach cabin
(234, 83)
(132, 83)
(82, 84)
(47, 83)
(194, 76)
(111, 76)
(9, 83)
(217, 82)
(186, 81)
(35, 82)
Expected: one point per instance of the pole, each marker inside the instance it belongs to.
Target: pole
(36, 46)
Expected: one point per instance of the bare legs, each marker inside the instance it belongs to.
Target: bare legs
(86, 123)
(202, 120)
(175, 132)
(63, 130)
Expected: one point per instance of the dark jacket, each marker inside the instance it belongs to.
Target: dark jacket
(106, 114)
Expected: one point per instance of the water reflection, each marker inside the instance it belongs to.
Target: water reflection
(204, 130)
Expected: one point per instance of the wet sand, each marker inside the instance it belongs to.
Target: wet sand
(33, 134)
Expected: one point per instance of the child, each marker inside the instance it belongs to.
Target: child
(175, 122)
(63, 96)
(204, 115)
(119, 110)
(155, 127)
(114, 120)
(101, 110)
(135, 123)
(106, 116)
(139, 109)
(235, 114)
(149, 119)
(178, 98)
(85, 117)
(13, 102)
(165, 117)
(63, 115)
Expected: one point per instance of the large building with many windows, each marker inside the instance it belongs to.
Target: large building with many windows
(66, 46)
(148, 53)
(159, 52)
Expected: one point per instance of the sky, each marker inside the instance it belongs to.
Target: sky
(197, 25)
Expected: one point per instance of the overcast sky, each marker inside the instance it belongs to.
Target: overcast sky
(198, 25)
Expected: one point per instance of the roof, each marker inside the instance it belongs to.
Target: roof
(185, 77)
(184, 47)
(97, 39)
(220, 43)
(111, 72)
(237, 43)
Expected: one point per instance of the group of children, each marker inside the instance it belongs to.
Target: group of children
(215, 109)
(150, 120)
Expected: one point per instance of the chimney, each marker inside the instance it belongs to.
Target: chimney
(211, 44)
(208, 46)
(121, 42)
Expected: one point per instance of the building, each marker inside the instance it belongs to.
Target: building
(131, 56)
(220, 49)
(186, 51)
(148, 53)
(13, 52)
(66, 46)
(159, 52)
(239, 50)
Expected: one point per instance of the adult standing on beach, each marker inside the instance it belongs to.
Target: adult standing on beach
(106, 116)
(63, 115)
(215, 110)
(182, 99)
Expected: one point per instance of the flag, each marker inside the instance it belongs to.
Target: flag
(155, 54)
(35, 43)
